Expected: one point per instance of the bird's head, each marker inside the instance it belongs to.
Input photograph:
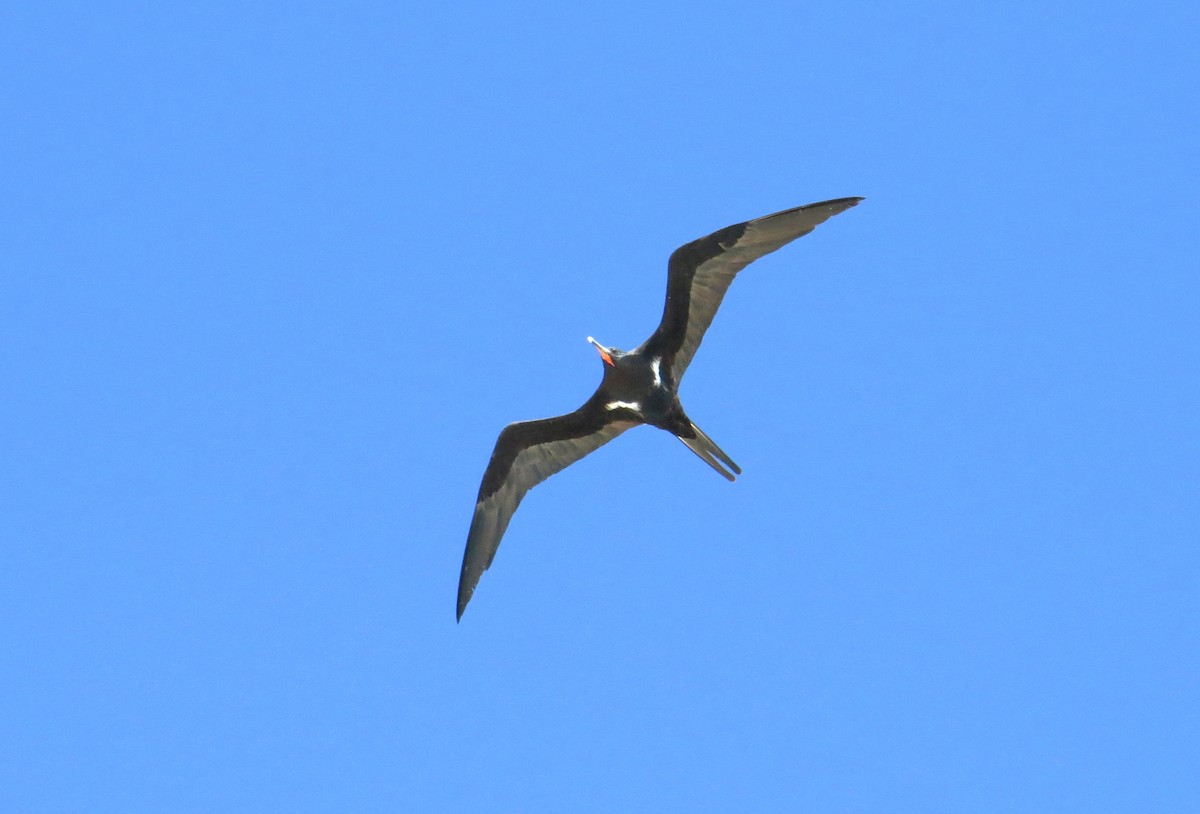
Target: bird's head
(609, 355)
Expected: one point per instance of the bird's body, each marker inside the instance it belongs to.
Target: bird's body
(639, 386)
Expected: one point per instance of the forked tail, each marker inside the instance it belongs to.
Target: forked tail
(710, 453)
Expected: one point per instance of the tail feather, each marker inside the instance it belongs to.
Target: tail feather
(710, 453)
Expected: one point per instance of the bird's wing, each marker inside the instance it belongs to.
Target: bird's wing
(699, 274)
(526, 454)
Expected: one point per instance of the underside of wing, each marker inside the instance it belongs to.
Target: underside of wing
(699, 273)
(526, 454)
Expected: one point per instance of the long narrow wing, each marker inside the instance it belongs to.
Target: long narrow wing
(526, 454)
(699, 274)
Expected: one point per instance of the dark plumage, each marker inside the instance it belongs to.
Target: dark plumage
(639, 386)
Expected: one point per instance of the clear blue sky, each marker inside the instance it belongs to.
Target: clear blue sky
(275, 276)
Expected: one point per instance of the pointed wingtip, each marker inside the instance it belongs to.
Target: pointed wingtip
(840, 205)
(846, 203)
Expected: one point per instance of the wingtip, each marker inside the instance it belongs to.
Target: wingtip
(853, 200)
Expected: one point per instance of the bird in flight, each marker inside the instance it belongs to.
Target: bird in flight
(639, 386)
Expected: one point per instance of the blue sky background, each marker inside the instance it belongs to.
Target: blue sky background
(275, 277)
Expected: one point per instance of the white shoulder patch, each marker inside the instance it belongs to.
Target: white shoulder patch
(636, 406)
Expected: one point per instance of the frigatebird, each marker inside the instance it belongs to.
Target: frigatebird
(639, 386)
